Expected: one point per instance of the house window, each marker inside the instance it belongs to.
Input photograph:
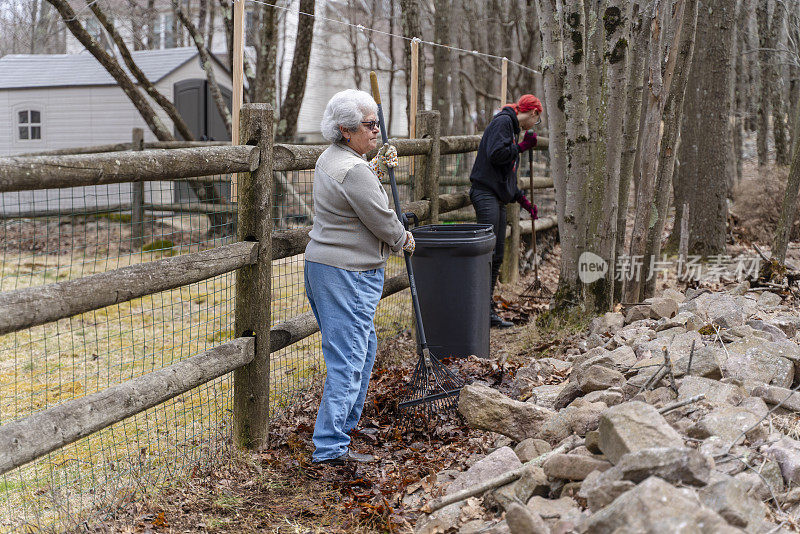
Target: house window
(29, 125)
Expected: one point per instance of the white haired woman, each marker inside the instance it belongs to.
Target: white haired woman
(354, 229)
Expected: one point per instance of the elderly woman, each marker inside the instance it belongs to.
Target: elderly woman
(353, 232)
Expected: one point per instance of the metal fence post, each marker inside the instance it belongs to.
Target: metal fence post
(429, 126)
(253, 284)
(137, 195)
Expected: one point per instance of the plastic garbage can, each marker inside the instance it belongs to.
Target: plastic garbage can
(452, 268)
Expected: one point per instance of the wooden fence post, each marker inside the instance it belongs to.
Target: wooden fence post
(509, 271)
(253, 288)
(137, 195)
(429, 125)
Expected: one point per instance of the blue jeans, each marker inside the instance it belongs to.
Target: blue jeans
(344, 303)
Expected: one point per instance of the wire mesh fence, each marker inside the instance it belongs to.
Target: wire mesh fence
(59, 235)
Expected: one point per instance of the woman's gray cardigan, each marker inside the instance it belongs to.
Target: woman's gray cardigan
(353, 224)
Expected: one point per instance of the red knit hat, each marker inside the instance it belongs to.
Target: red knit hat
(527, 103)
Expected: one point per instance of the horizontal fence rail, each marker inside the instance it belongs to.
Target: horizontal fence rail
(32, 306)
(118, 147)
(43, 432)
(53, 172)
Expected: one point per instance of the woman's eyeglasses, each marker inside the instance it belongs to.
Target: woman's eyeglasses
(538, 122)
(371, 125)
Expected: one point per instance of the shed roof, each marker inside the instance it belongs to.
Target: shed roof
(18, 71)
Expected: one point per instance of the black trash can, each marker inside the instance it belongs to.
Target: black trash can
(452, 267)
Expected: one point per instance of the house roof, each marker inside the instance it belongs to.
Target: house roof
(18, 71)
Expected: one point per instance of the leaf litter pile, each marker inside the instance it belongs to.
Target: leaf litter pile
(280, 490)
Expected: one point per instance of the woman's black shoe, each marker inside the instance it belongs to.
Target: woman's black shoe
(496, 320)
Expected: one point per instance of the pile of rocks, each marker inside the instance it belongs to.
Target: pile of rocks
(667, 423)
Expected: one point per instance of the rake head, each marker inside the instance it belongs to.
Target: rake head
(537, 290)
(433, 391)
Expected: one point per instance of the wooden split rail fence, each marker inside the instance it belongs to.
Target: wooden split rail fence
(247, 355)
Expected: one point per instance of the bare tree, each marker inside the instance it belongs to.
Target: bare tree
(441, 62)
(290, 107)
(711, 66)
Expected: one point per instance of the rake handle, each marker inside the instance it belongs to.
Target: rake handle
(376, 94)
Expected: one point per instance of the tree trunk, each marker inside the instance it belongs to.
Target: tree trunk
(779, 126)
(296, 88)
(633, 112)
(673, 110)
(650, 141)
(789, 207)
(266, 56)
(210, 22)
(411, 29)
(441, 63)
(762, 18)
(208, 67)
(603, 223)
(552, 67)
(144, 82)
(150, 17)
(570, 289)
(708, 207)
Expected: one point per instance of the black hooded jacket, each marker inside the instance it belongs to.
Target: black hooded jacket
(495, 167)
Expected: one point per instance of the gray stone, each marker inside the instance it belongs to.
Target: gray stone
(705, 362)
(569, 393)
(674, 294)
(637, 313)
(786, 323)
(573, 466)
(763, 481)
(729, 423)
(740, 288)
(715, 392)
(611, 397)
(729, 498)
(787, 453)
(673, 464)
(578, 418)
(522, 520)
(592, 442)
(598, 378)
(500, 461)
(774, 333)
(769, 299)
(546, 395)
(775, 395)
(552, 366)
(561, 508)
(608, 322)
(532, 482)
(716, 447)
(663, 308)
(761, 361)
(623, 357)
(654, 506)
(488, 409)
(634, 426)
(755, 405)
(600, 489)
(531, 448)
(681, 345)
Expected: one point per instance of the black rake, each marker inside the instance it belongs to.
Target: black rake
(433, 389)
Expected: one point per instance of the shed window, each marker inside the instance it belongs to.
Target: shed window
(29, 125)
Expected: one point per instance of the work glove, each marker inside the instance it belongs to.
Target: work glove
(409, 244)
(528, 141)
(527, 206)
(385, 159)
